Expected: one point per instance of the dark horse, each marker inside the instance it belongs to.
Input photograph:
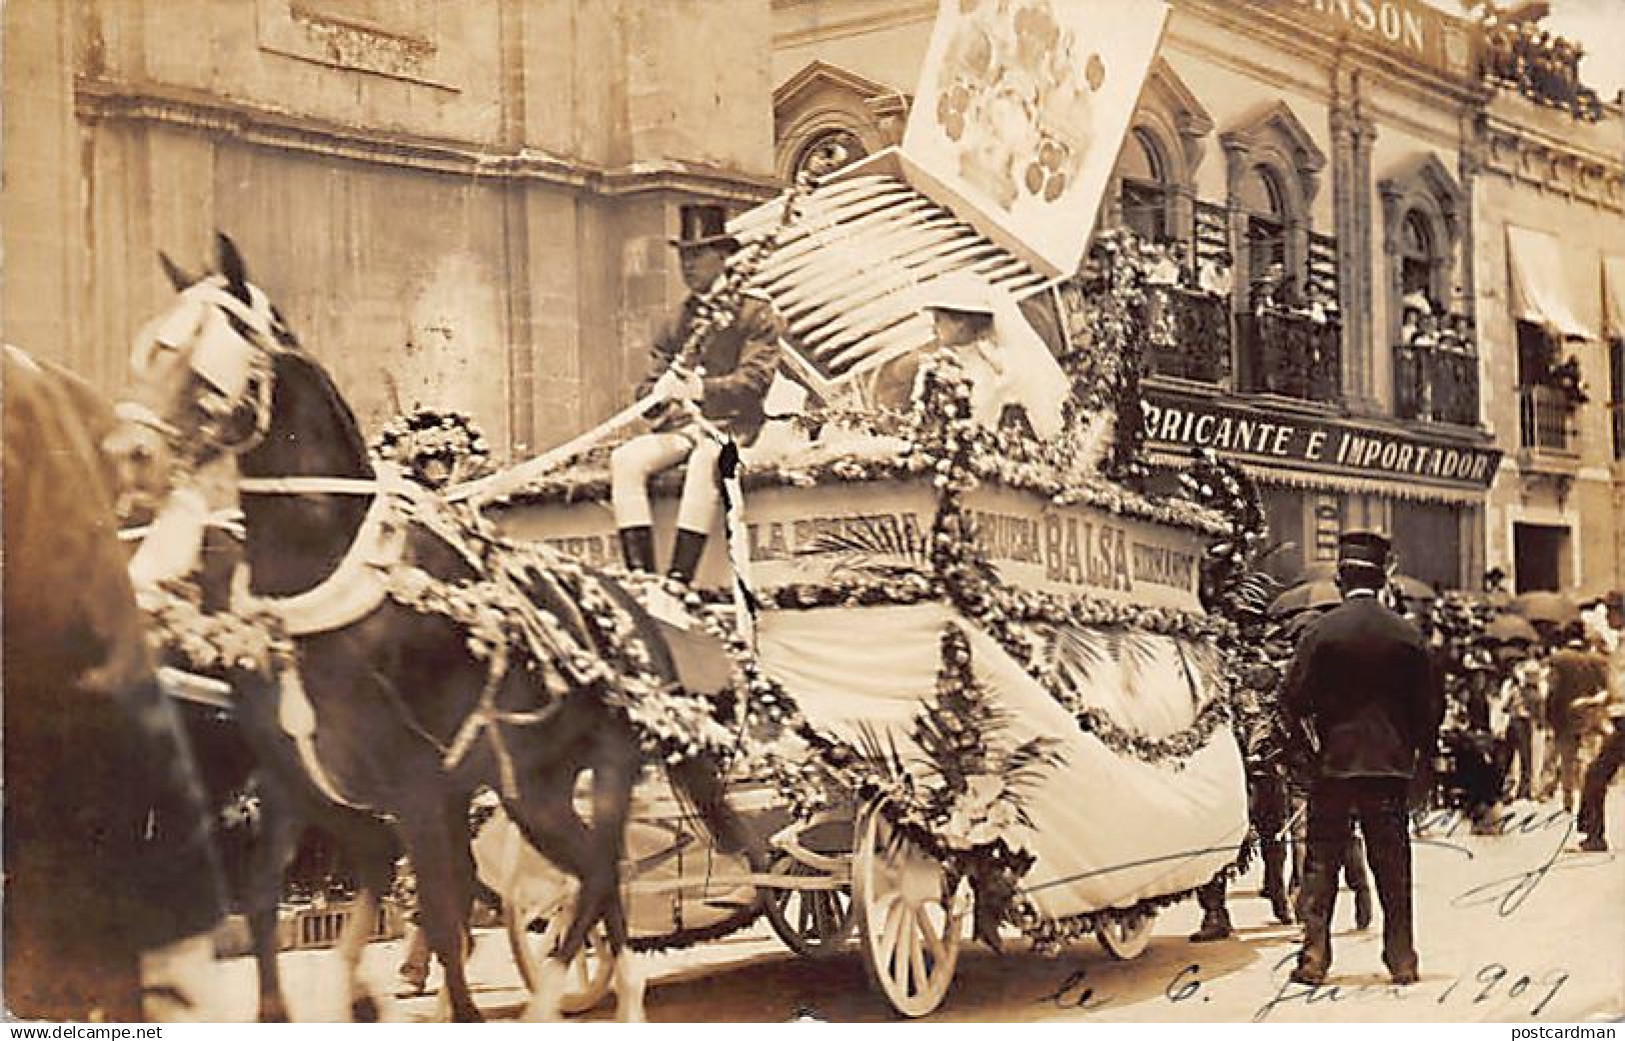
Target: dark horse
(394, 691)
(107, 852)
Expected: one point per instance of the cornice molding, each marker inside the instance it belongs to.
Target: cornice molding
(1522, 154)
(102, 101)
(873, 17)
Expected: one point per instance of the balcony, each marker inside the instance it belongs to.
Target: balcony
(1291, 355)
(1545, 420)
(1436, 384)
(1190, 335)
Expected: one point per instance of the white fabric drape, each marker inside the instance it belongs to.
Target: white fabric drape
(1109, 830)
(1613, 295)
(1540, 292)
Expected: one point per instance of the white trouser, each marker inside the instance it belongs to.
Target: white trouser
(632, 464)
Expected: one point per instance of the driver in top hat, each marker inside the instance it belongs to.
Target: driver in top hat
(1362, 691)
(726, 374)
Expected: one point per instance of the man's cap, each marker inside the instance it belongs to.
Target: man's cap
(704, 226)
(958, 291)
(1362, 548)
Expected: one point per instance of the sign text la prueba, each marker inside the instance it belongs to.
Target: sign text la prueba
(1321, 444)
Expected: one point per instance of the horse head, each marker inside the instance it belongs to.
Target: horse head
(202, 376)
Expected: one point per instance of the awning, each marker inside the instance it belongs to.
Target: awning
(1540, 293)
(1613, 296)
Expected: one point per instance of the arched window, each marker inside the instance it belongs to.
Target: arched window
(1144, 194)
(1419, 257)
(829, 151)
(1264, 204)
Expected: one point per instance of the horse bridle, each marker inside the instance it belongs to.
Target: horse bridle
(245, 334)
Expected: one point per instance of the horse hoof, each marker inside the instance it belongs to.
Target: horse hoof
(364, 1010)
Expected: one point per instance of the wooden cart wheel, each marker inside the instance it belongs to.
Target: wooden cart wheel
(910, 920)
(1125, 934)
(814, 923)
(590, 974)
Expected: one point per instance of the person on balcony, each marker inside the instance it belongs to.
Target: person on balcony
(1164, 268)
(723, 372)
(1216, 277)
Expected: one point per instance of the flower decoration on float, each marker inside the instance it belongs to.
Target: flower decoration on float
(436, 448)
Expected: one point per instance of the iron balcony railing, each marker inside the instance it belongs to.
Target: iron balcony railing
(1291, 355)
(1436, 384)
(1189, 334)
(1545, 419)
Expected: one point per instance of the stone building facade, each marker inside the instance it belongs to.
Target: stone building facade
(1317, 172)
(464, 205)
(1549, 216)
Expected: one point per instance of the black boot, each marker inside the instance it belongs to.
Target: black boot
(638, 548)
(685, 555)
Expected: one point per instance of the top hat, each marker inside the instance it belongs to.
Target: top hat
(703, 227)
(958, 291)
(1362, 549)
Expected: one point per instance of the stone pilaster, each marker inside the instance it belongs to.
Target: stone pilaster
(1236, 155)
(1352, 137)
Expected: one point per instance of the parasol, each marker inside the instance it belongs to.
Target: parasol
(1545, 606)
(1295, 626)
(1511, 628)
(1304, 597)
(1411, 588)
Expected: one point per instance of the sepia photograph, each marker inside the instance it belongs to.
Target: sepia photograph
(774, 511)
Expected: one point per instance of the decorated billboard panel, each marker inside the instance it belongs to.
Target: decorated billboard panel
(1022, 107)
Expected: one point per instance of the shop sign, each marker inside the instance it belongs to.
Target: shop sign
(1410, 26)
(1324, 445)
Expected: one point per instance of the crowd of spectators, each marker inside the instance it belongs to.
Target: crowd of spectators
(1541, 66)
(1427, 324)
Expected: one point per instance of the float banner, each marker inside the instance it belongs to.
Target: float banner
(1021, 110)
(1312, 443)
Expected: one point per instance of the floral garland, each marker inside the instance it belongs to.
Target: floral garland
(1053, 935)
(213, 643)
(435, 448)
(1106, 310)
(503, 609)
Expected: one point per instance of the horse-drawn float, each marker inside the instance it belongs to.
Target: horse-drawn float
(968, 676)
(979, 667)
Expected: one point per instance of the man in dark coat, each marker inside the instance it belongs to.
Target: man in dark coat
(725, 370)
(1363, 694)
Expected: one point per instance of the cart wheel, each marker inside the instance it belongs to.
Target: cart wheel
(1125, 934)
(910, 921)
(815, 923)
(590, 974)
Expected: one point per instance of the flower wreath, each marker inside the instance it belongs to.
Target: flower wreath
(437, 448)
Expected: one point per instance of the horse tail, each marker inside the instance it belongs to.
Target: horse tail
(698, 781)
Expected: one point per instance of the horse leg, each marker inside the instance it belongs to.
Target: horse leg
(282, 822)
(547, 819)
(443, 904)
(613, 779)
(371, 848)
